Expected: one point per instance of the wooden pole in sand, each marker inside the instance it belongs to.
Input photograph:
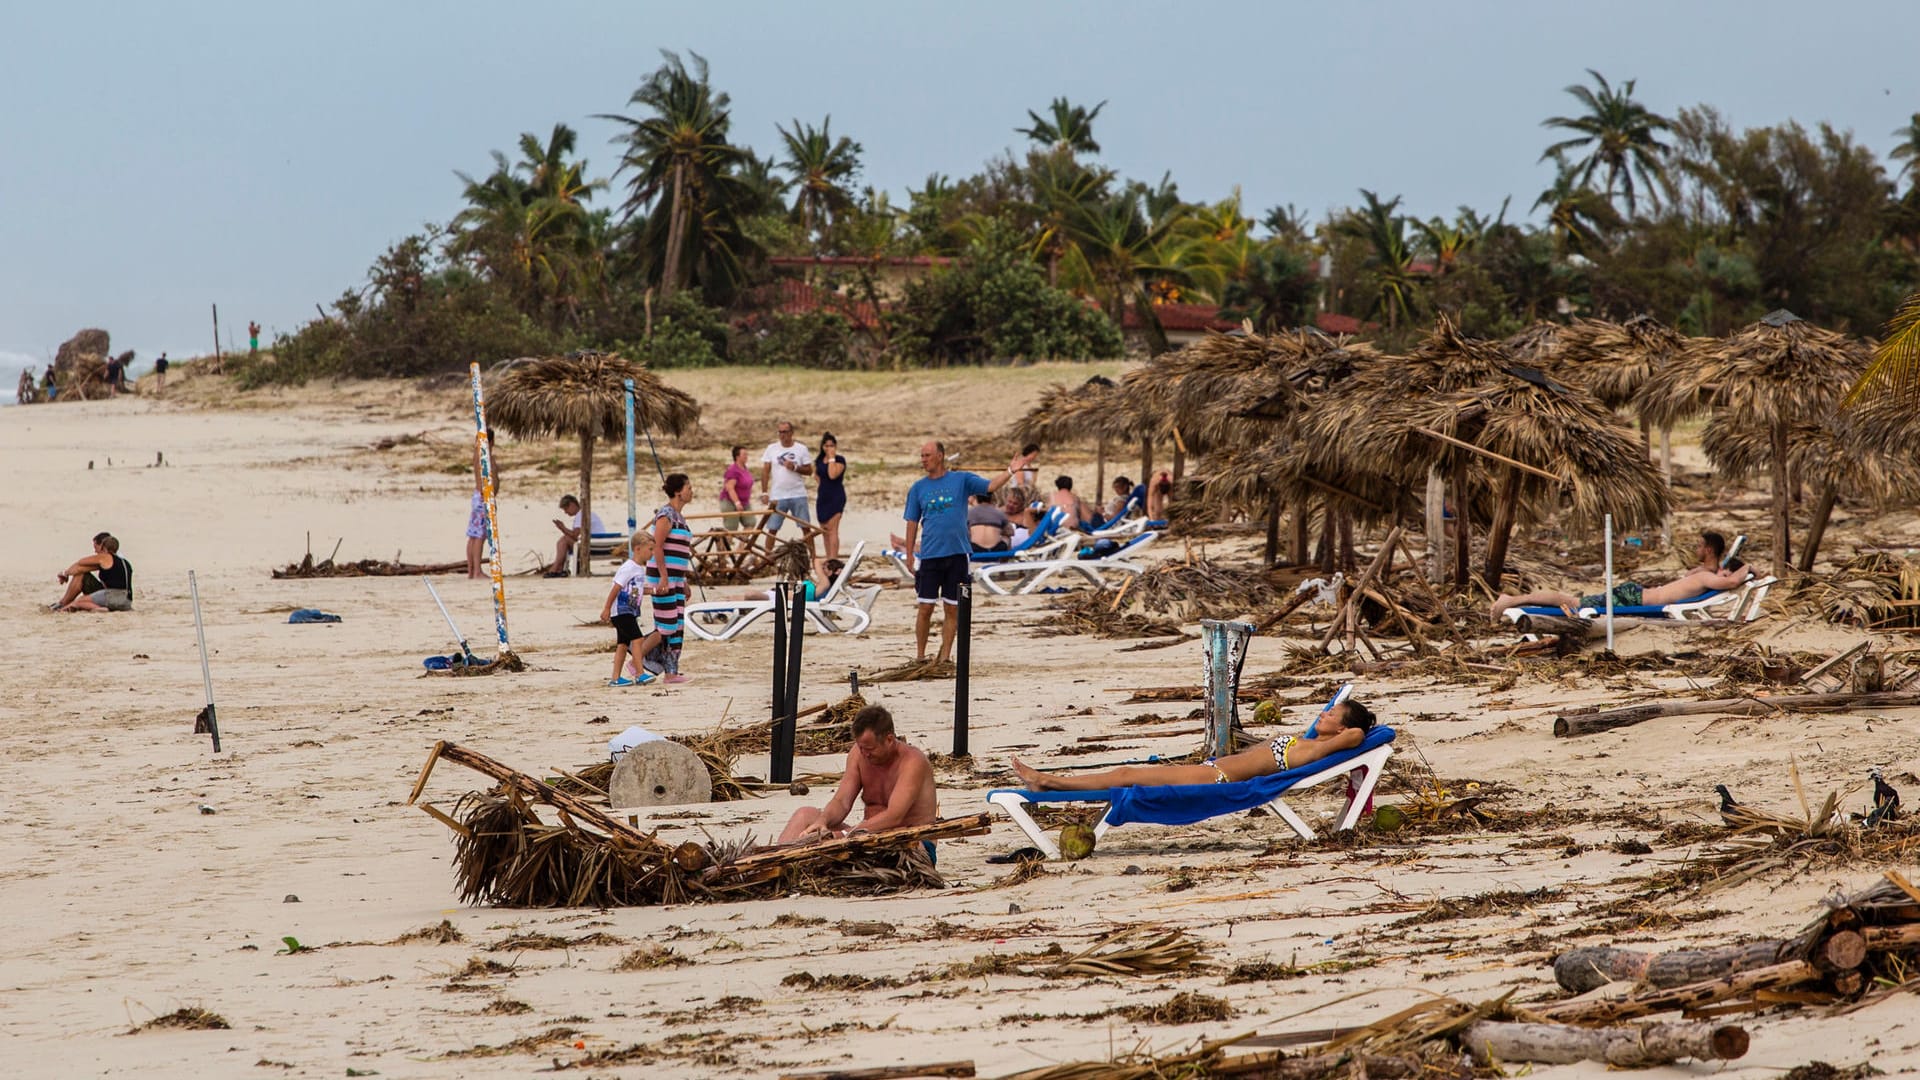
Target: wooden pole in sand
(217, 361)
(493, 514)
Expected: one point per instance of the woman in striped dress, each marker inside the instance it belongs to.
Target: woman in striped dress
(667, 579)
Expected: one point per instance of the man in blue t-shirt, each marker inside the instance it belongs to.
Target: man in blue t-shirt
(937, 523)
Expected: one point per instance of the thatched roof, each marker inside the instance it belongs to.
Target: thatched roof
(1887, 423)
(1213, 388)
(1781, 369)
(1538, 345)
(584, 393)
(1474, 391)
(1822, 453)
(1096, 409)
(1613, 360)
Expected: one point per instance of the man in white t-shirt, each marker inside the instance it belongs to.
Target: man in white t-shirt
(569, 534)
(784, 469)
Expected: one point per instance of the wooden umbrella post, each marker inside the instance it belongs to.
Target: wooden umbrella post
(1436, 526)
(494, 569)
(1462, 527)
(1782, 540)
(583, 547)
(1501, 531)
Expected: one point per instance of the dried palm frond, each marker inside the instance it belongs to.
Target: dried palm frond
(1133, 950)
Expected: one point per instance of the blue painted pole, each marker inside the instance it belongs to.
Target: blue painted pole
(633, 522)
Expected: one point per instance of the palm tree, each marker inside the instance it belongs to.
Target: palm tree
(1895, 368)
(1908, 150)
(821, 169)
(1389, 256)
(1288, 223)
(679, 156)
(1447, 241)
(1068, 127)
(1620, 135)
(526, 223)
(1578, 216)
(1061, 188)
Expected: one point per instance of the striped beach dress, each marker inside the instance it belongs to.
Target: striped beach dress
(670, 596)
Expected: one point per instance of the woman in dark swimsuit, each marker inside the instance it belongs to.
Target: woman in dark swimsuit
(831, 501)
(102, 581)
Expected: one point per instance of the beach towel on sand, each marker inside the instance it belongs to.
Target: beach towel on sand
(1184, 804)
(312, 615)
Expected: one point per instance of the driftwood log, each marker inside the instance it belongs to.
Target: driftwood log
(1647, 1044)
(1581, 970)
(1568, 725)
(766, 865)
(887, 1072)
(1690, 996)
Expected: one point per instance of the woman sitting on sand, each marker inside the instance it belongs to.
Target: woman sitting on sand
(102, 581)
(1340, 728)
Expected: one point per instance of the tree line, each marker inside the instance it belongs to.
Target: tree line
(1045, 251)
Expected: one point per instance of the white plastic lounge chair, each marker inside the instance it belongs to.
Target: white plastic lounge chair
(1183, 804)
(722, 620)
(1738, 605)
(1021, 578)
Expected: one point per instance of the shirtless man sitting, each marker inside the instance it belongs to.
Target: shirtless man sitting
(1342, 727)
(1707, 575)
(893, 780)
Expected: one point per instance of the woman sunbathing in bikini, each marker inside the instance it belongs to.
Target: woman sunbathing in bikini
(1340, 728)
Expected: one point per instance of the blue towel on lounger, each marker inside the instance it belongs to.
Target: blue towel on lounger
(1184, 804)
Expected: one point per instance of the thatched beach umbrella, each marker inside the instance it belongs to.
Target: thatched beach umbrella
(1095, 411)
(1774, 376)
(1612, 361)
(1538, 345)
(1870, 451)
(1517, 424)
(584, 394)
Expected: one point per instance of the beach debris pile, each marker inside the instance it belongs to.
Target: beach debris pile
(507, 855)
(327, 568)
(79, 368)
(1156, 601)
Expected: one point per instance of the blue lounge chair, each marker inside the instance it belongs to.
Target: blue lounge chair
(1184, 804)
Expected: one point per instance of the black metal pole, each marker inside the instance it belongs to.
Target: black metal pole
(962, 655)
(796, 636)
(780, 768)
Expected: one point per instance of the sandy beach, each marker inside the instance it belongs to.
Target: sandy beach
(151, 875)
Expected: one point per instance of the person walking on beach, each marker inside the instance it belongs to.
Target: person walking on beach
(253, 338)
(622, 609)
(784, 469)
(116, 376)
(667, 579)
(160, 376)
(936, 517)
(102, 581)
(736, 492)
(830, 469)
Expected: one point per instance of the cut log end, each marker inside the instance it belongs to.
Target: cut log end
(1729, 1043)
(1843, 951)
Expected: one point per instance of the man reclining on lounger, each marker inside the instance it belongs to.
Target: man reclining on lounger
(1340, 728)
(1706, 576)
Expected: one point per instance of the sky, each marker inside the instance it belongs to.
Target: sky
(159, 158)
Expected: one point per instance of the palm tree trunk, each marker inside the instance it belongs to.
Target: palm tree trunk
(1817, 528)
(1782, 538)
(1462, 528)
(583, 547)
(676, 232)
(1501, 530)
